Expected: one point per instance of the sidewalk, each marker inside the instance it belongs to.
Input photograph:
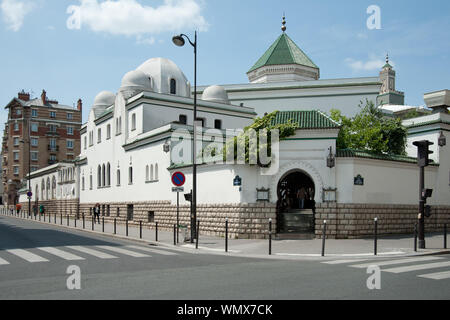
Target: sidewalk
(387, 246)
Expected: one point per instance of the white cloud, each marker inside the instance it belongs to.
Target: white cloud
(14, 12)
(373, 63)
(130, 18)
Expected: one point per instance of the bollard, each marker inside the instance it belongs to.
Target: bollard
(39, 216)
(93, 221)
(140, 229)
(174, 234)
(103, 224)
(115, 222)
(44, 217)
(445, 236)
(198, 231)
(270, 236)
(156, 232)
(127, 226)
(83, 221)
(55, 218)
(75, 221)
(67, 220)
(375, 236)
(324, 232)
(226, 235)
(415, 237)
(61, 218)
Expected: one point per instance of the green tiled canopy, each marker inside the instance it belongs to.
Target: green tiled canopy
(283, 51)
(306, 119)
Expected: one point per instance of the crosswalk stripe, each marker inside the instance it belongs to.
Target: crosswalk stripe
(437, 275)
(26, 255)
(167, 253)
(344, 261)
(59, 253)
(418, 267)
(124, 251)
(92, 252)
(397, 261)
(2, 261)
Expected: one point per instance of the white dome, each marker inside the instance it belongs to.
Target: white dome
(162, 71)
(136, 79)
(215, 94)
(104, 99)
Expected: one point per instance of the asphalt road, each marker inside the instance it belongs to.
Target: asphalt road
(121, 269)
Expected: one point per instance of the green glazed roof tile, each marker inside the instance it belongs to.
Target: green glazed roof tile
(306, 119)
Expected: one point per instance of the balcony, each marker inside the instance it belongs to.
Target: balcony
(53, 148)
(50, 162)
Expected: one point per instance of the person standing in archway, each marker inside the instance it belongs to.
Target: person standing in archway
(301, 197)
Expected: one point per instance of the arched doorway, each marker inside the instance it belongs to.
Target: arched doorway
(295, 205)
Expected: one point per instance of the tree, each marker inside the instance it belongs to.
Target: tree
(369, 130)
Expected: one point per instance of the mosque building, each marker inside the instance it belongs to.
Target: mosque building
(132, 144)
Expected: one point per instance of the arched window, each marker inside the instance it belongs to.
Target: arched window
(82, 183)
(156, 171)
(151, 173)
(103, 176)
(108, 131)
(118, 177)
(99, 176)
(108, 175)
(130, 175)
(146, 173)
(42, 189)
(133, 121)
(173, 86)
(54, 188)
(37, 192)
(90, 182)
(47, 191)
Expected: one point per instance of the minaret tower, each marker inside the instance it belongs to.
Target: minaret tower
(388, 94)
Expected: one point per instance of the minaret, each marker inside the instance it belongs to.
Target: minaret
(388, 94)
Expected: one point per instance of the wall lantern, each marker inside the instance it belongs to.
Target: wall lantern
(331, 160)
(442, 141)
(166, 146)
(262, 194)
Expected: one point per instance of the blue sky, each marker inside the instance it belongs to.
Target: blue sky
(40, 51)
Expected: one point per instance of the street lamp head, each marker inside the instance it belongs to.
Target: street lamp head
(178, 40)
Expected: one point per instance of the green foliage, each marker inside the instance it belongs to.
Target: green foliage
(369, 130)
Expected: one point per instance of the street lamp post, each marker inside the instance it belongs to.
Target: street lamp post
(29, 163)
(179, 41)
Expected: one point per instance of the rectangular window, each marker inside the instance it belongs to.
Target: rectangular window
(16, 127)
(16, 170)
(85, 142)
(16, 156)
(34, 113)
(217, 124)
(34, 142)
(69, 116)
(34, 168)
(18, 112)
(52, 114)
(69, 144)
(130, 175)
(70, 131)
(34, 127)
(52, 128)
(34, 156)
(99, 135)
(53, 144)
(108, 132)
(182, 119)
(16, 142)
(133, 121)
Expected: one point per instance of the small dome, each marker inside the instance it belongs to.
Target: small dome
(104, 99)
(162, 71)
(215, 94)
(136, 79)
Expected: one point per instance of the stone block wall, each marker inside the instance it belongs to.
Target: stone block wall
(349, 221)
(245, 221)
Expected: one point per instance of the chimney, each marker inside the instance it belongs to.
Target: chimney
(438, 101)
(25, 96)
(44, 97)
(80, 105)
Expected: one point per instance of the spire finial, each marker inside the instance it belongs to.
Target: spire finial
(387, 58)
(283, 28)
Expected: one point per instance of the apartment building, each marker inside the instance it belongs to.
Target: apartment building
(39, 132)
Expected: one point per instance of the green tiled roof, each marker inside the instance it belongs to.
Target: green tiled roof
(283, 51)
(306, 119)
(352, 153)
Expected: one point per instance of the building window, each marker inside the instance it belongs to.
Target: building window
(33, 169)
(103, 176)
(108, 132)
(16, 170)
(52, 128)
(70, 156)
(108, 175)
(217, 124)
(34, 156)
(52, 114)
(69, 116)
(70, 131)
(69, 144)
(146, 173)
(133, 121)
(34, 142)
(182, 119)
(99, 135)
(18, 112)
(91, 138)
(156, 172)
(16, 141)
(90, 182)
(16, 127)
(99, 176)
(16, 156)
(82, 183)
(130, 175)
(34, 113)
(118, 178)
(34, 127)
(173, 86)
(118, 125)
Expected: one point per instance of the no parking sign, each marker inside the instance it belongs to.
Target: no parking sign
(178, 179)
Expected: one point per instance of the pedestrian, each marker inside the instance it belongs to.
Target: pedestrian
(35, 210)
(301, 197)
(18, 208)
(41, 209)
(97, 212)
